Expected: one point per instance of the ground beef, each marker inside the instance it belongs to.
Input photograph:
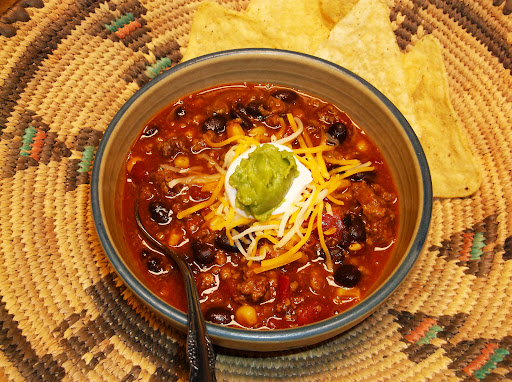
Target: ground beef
(256, 287)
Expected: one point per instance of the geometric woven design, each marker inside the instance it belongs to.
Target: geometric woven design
(67, 66)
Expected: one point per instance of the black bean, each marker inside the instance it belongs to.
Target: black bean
(159, 213)
(222, 242)
(368, 176)
(240, 108)
(345, 239)
(337, 254)
(155, 265)
(203, 253)
(233, 113)
(244, 121)
(149, 131)
(179, 111)
(253, 109)
(218, 315)
(357, 229)
(338, 131)
(215, 123)
(285, 95)
(347, 275)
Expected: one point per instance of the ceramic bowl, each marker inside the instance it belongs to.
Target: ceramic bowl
(360, 100)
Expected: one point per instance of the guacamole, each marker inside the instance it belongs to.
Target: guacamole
(263, 179)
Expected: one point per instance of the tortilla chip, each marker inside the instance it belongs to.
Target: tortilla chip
(453, 168)
(279, 24)
(364, 43)
(416, 83)
(334, 10)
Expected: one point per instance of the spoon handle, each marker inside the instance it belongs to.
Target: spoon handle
(199, 347)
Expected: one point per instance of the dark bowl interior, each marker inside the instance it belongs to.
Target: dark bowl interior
(362, 102)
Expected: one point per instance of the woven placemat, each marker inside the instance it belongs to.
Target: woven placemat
(66, 67)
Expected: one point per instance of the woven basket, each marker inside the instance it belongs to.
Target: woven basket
(65, 69)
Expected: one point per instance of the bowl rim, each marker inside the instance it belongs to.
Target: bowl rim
(273, 336)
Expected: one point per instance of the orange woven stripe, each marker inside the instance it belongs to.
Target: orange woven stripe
(420, 331)
(127, 29)
(481, 360)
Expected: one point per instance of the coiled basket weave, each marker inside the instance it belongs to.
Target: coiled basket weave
(66, 67)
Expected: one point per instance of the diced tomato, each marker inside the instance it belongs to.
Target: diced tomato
(193, 223)
(283, 287)
(197, 195)
(311, 312)
(139, 172)
(231, 285)
(333, 221)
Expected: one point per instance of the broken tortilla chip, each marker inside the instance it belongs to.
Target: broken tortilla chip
(364, 43)
(454, 170)
(278, 24)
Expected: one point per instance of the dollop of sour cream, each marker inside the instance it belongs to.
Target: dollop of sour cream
(296, 188)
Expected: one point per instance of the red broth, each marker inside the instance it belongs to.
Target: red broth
(177, 165)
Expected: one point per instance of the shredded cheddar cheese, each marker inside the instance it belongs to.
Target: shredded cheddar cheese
(204, 204)
(281, 262)
(320, 230)
(285, 234)
(335, 201)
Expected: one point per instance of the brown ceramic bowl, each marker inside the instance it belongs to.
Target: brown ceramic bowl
(361, 101)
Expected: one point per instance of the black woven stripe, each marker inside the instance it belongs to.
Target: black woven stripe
(464, 353)
(20, 353)
(119, 318)
(475, 25)
(507, 247)
(37, 52)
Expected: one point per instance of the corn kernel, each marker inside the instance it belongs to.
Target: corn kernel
(246, 315)
(258, 131)
(234, 129)
(348, 293)
(174, 239)
(362, 146)
(355, 247)
(181, 161)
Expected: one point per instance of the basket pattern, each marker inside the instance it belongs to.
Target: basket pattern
(67, 66)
